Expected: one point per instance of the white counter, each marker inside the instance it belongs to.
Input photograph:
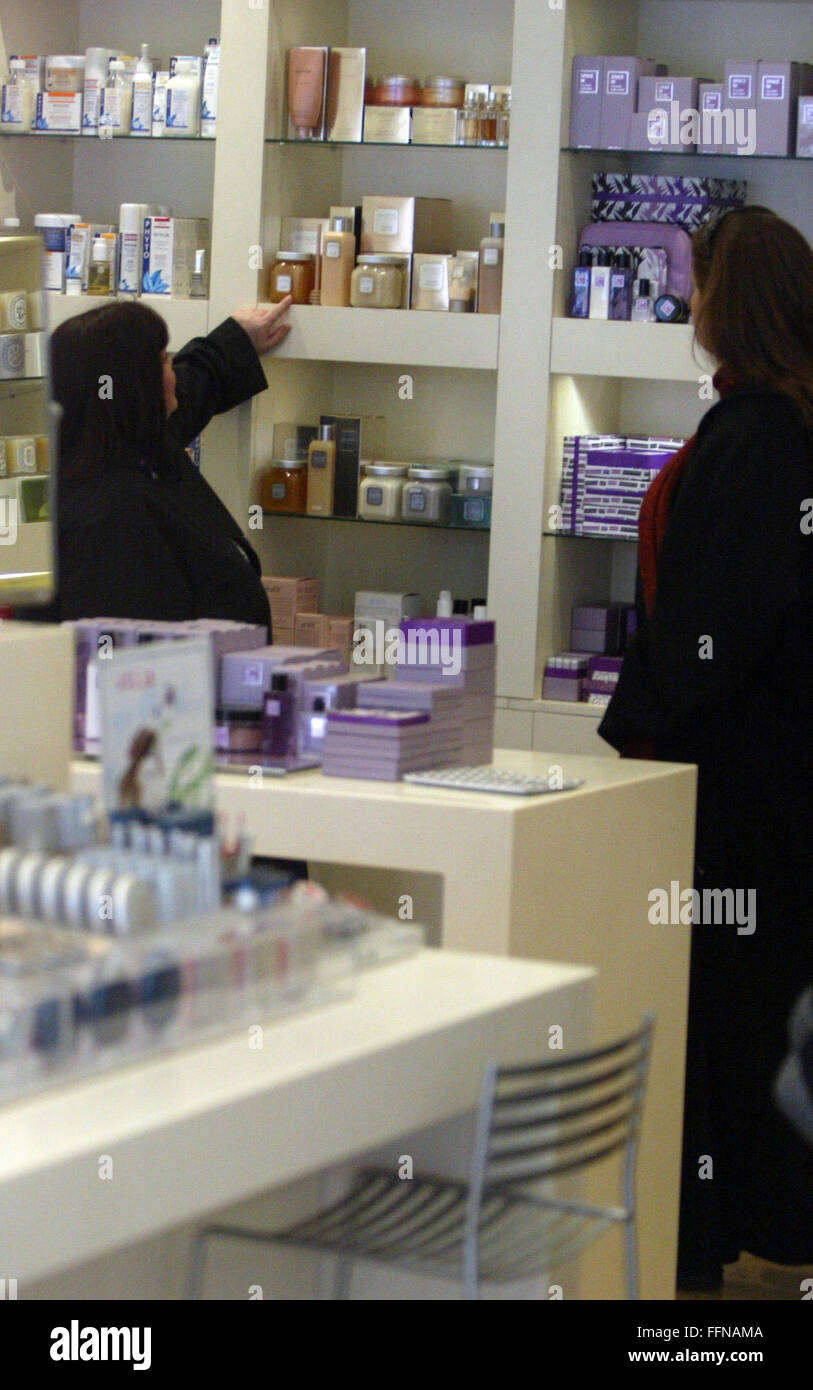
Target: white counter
(217, 1123)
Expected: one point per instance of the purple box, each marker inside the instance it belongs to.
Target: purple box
(619, 99)
(652, 131)
(562, 688)
(804, 129)
(779, 86)
(474, 632)
(658, 92)
(585, 101)
(740, 87)
(711, 102)
(672, 199)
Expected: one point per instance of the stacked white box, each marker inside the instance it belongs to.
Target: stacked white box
(459, 653)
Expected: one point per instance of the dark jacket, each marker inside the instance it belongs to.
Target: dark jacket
(159, 544)
(722, 676)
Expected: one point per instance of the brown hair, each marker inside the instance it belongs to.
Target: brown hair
(107, 377)
(754, 275)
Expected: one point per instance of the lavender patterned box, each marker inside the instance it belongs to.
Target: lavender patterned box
(667, 198)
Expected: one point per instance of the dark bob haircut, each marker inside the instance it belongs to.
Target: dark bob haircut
(108, 379)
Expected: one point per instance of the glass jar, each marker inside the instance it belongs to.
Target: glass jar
(381, 490)
(468, 119)
(237, 731)
(294, 273)
(65, 72)
(377, 282)
(284, 487)
(427, 495)
(397, 90)
(476, 478)
(443, 91)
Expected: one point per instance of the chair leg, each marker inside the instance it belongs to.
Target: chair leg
(197, 1262)
(631, 1253)
(343, 1277)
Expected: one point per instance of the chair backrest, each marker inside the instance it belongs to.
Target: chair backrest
(554, 1117)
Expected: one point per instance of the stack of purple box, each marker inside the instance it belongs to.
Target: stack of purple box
(602, 678)
(604, 479)
(671, 199)
(383, 744)
(459, 653)
(564, 677)
(443, 704)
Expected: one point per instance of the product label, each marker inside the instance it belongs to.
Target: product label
(159, 105)
(366, 284)
(332, 250)
(90, 114)
(129, 268)
(110, 109)
(657, 128)
(59, 111)
(474, 509)
(588, 82)
(431, 277)
(807, 113)
(417, 502)
(618, 83)
(12, 108)
(305, 239)
(773, 88)
(179, 109)
(253, 673)
(739, 86)
(283, 284)
(278, 492)
(272, 707)
(27, 458)
(664, 91)
(491, 256)
(386, 222)
(141, 115)
(374, 496)
(17, 310)
(318, 459)
(712, 101)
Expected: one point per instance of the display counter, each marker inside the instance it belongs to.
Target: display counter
(189, 1133)
(556, 877)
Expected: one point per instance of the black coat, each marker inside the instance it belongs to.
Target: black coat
(161, 545)
(736, 567)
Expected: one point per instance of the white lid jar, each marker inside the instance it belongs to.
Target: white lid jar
(427, 495)
(377, 282)
(476, 477)
(380, 491)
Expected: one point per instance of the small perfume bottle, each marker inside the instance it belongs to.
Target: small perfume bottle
(600, 287)
(314, 723)
(504, 120)
(643, 309)
(580, 294)
(621, 285)
(279, 732)
(197, 284)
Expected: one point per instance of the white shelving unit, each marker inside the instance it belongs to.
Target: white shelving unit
(505, 389)
(186, 318)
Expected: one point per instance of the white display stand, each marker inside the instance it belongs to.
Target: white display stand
(36, 681)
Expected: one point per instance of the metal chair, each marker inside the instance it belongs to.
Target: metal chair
(535, 1123)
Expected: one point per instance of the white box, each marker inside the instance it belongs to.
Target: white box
(168, 260)
(59, 113)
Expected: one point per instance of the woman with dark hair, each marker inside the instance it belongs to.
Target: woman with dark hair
(718, 675)
(139, 532)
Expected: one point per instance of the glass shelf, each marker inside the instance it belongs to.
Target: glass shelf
(362, 521)
(100, 140)
(580, 536)
(381, 145)
(693, 154)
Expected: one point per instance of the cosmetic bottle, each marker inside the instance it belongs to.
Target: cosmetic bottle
(445, 605)
(600, 287)
(338, 262)
(197, 285)
(117, 101)
(279, 732)
(488, 122)
(141, 114)
(671, 308)
(100, 274)
(314, 723)
(321, 472)
(504, 120)
(643, 309)
(489, 294)
(306, 89)
(580, 295)
(621, 285)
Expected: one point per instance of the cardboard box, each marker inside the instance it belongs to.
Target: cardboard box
(711, 97)
(344, 96)
(287, 596)
(387, 125)
(390, 223)
(804, 129)
(587, 83)
(619, 97)
(434, 125)
(168, 262)
(312, 630)
(340, 631)
(740, 81)
(779, 86)
(59, 113)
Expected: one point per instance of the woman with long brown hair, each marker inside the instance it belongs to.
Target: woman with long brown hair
(720, 674)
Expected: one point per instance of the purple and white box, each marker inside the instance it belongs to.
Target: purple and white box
(619, 98)
(673, 199)
(779, 86)
(585, 101)
(711, 103)
(804, 129)
(740, 83)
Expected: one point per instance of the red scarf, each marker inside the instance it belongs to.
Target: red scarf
(653, 519)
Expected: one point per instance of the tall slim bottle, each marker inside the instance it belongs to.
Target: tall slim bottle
(321, 472)
(489, 289)
(338, 262)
